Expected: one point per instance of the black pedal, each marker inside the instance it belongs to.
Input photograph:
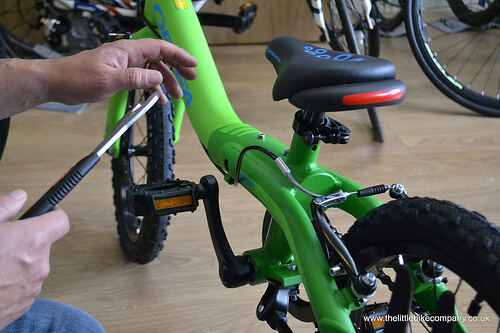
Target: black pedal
(247, 14)
(175, 196)
(164, 198)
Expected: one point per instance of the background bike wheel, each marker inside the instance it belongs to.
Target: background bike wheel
(368, 41)
(21, 18)
(40, 29)
(421, 228)
(475, 13)
(146, 155)
(462, 61)
(390, 14)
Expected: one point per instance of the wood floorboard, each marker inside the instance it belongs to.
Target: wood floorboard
(433, 146)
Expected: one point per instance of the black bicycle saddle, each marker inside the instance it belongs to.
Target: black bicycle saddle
(317, 79)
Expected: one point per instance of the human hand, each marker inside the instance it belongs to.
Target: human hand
(97, 74)
(24, 254)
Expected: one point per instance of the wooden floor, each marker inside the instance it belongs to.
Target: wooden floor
(433, 146)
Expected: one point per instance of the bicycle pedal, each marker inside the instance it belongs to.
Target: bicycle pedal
(164, 198)
(246, 16)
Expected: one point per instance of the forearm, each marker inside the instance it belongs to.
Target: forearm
(93, 75)
(24, 84)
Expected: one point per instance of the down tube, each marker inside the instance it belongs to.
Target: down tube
(331, 306)
(205, 99)
(262, 178)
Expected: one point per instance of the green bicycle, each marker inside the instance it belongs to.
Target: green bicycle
(442, 246)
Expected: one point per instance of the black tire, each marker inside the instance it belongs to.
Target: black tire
(21, 17)
(390, 14)
(462, 62)
(368, 40)
(4, 132)
(462, 241)
(4, 123)
(472, 13)
(147, 155)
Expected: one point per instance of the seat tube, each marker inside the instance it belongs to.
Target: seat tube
(300, 154)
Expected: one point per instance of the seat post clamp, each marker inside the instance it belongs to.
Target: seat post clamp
(313, 128)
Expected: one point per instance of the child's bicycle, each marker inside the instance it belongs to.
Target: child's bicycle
(441, 245)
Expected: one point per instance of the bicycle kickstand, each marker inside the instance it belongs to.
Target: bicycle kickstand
(273, 306)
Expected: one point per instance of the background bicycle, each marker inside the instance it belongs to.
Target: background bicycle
(452, 64)
(457, 45)
(53, 28)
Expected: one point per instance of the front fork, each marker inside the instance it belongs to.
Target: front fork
(119, 104)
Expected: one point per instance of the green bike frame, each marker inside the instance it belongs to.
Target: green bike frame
(292, 239)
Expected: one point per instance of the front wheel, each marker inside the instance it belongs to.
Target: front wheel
(430, 233)
(146, 156)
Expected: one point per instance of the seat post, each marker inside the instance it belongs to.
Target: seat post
(313, 118)
(300, 153)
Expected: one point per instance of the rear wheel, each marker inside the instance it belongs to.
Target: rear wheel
(441, 241)
(437, 238)
(146, 156)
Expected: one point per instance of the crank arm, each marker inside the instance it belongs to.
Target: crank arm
(175, 196)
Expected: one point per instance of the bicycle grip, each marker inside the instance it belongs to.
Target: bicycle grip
(60, 189)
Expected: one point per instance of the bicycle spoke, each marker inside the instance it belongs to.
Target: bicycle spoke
(458, 286)
(142, 135)
(141, 180)
(492, 67)
(468, 58)
(465, 42)
(498, 87)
